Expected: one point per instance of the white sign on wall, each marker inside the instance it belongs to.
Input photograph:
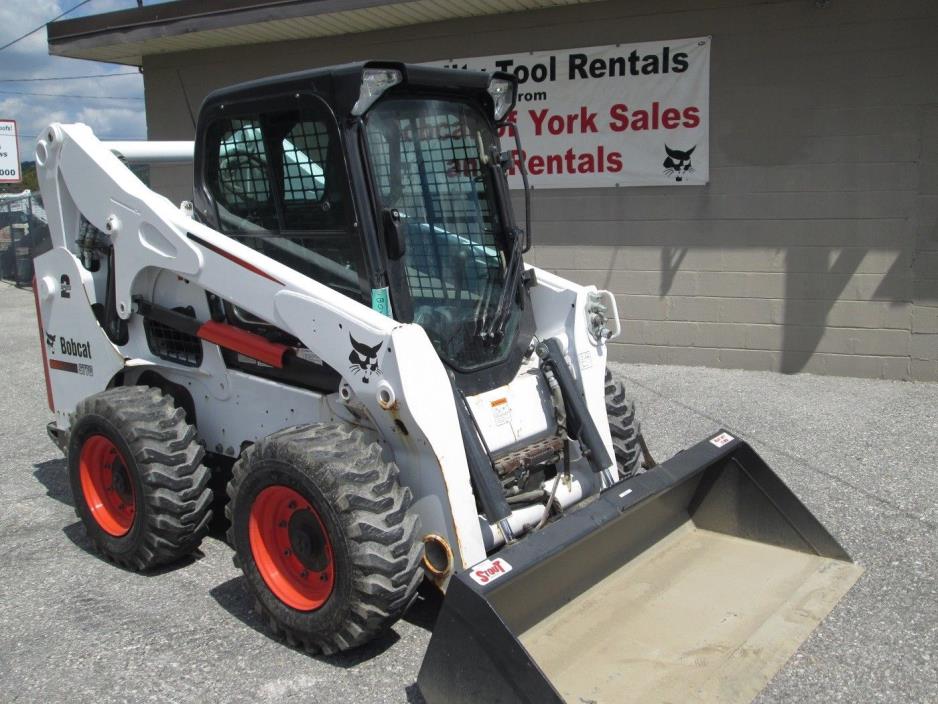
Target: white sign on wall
(623, 115)
(9, 153)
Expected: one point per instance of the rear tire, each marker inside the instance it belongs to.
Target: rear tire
(135, 470)
(624, 427)
(322, 531)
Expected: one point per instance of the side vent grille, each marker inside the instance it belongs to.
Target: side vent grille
(172, 345)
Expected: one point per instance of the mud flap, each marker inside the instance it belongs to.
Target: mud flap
(694, 582)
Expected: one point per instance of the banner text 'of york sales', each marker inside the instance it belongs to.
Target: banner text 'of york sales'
(626, 115)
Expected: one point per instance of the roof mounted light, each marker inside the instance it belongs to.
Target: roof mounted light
(502, 91)
(374, 82)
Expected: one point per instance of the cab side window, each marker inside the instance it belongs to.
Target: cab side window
(280, 186)
(305, 151)
(242, 187)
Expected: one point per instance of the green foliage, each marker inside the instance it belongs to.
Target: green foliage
(30, 180)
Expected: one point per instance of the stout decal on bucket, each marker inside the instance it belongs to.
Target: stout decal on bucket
(490, 570)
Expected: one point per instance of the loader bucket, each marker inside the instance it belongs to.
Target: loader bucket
(693, 582)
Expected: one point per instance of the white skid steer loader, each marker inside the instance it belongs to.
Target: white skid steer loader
(340, 325)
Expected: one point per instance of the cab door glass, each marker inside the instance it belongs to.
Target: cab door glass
(281, 187)
(242, 188)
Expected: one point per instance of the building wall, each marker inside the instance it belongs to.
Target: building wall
(815, 245)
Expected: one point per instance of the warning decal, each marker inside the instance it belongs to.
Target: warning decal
(722, 439)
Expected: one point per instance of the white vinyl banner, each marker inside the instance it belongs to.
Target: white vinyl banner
(9, 153)
(623, 115)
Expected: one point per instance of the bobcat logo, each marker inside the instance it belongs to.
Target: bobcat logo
(50, 342)
(364, 359)
(677, 163)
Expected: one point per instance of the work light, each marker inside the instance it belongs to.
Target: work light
(503, 93)
(374, 82)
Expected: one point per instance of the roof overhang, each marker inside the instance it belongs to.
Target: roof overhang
(126, 36)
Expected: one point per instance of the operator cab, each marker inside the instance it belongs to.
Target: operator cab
(385, 182)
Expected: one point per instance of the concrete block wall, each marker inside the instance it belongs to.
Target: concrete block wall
(814, 247)
(924, 323)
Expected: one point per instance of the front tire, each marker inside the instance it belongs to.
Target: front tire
(623, 426)
(322, 531)
(135, 469)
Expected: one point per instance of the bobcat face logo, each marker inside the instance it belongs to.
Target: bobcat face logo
(677, 164)
(50, 342)
(364, 359)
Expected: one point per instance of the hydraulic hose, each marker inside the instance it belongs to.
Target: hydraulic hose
(580, 425)
(484, 477)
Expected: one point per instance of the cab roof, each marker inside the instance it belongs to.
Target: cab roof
(340, 85)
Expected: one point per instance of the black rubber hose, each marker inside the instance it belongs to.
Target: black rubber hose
(580, 425)
(485, 480)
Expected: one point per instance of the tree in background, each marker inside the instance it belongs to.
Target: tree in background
(30, 180)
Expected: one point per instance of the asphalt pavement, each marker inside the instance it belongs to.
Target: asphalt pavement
(861, 454)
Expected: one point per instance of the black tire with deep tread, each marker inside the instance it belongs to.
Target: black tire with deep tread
(163, 456)
(624, 427)
(364, 508)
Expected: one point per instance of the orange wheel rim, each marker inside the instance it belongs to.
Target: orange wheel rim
(107, 486)
(291, 548)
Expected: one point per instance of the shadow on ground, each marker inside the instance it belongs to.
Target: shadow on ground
(77, 534)
(233, 597)
(413, 694)
(423, 614)
(53, 475)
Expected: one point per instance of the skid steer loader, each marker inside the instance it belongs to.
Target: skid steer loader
(342, 318)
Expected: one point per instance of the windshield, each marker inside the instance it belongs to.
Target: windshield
(425, 158)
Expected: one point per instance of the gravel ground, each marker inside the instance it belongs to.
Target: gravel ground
(861, 454)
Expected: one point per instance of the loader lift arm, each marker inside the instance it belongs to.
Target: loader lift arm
(81, 177)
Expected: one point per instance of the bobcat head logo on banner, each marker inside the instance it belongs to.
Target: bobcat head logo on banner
(677, 164)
